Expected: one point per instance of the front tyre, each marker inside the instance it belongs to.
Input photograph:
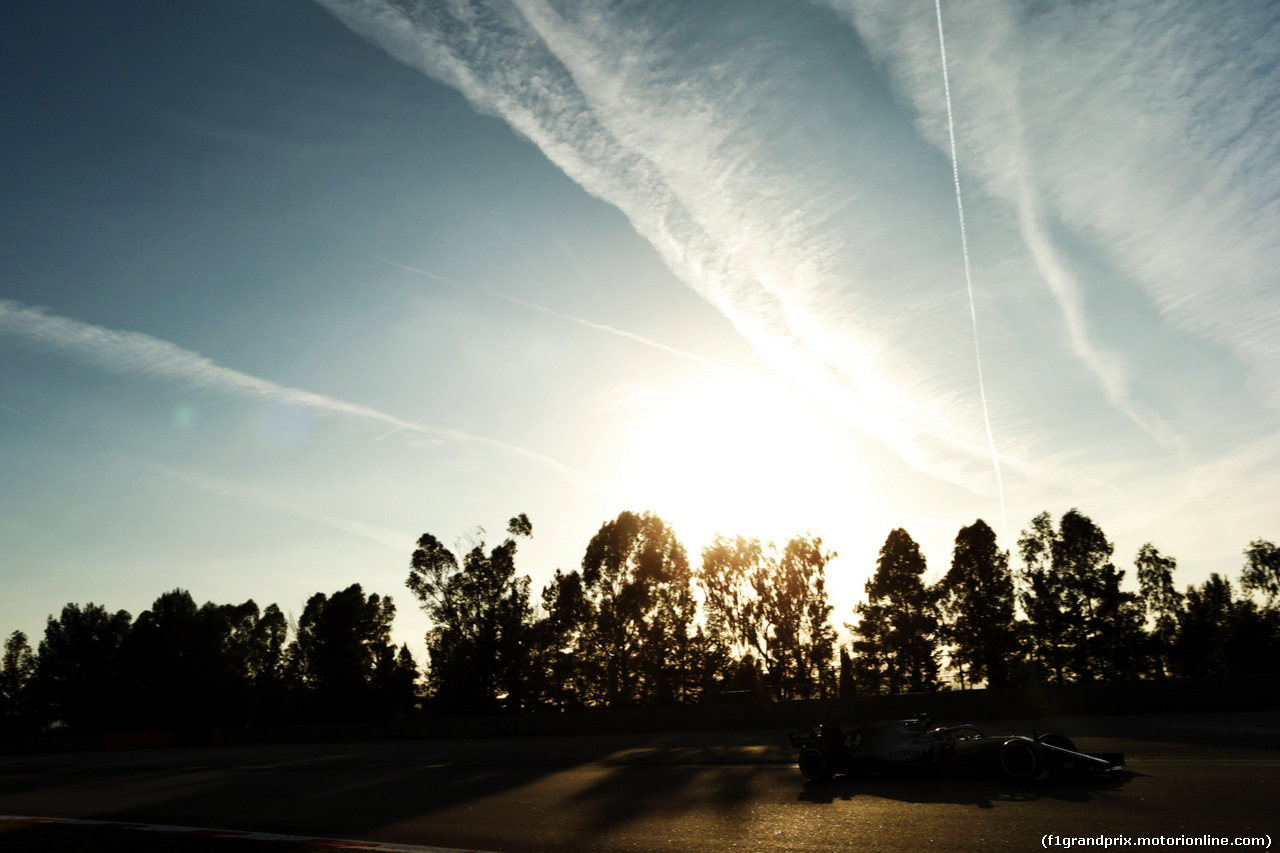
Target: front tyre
(1020, 760)
(1058, 768)
(1060, 741)
(815, 765)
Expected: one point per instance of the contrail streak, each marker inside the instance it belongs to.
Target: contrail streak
(968, 276)
(394, 539)
(137, 354)
(24, 415)
(600, 327)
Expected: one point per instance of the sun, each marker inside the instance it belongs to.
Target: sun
(735, 455)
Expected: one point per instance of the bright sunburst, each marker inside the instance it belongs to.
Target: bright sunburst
(735, 455)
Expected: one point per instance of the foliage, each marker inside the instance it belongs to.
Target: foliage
(16, 671)
(343, 657)
(1204, 629)
(77, 677)
(977, 601)
(480, 616)
(731, 570)
(1082, 626)
(559, 645)
(394, 684)
(1044, 598)
(772, 605)
(896, 634)
(263, 650)
(627, 629)
(192, 669)
(801, 615)
(636, 585)
(1161, 602)
(1262, 569)
(177, 664)
(1220, 635)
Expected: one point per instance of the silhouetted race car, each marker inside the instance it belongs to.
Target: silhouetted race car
(826, 750)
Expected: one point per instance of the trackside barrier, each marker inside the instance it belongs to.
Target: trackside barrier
(138, 740)
(1248, 693)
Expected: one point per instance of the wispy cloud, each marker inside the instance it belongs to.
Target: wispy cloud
(718, 159)
(136, 354)
(292, 505)
(1149, 129)
(895, 33)
(1108, 367)
(133, 353)
(800, 189)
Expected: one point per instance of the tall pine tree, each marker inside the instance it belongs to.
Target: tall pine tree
(896, 634)
(976, 598)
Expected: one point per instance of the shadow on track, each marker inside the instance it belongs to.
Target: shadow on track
(622, 795)
(337, 790)
(982, 793)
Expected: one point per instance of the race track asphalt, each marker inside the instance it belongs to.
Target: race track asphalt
(1189, 776)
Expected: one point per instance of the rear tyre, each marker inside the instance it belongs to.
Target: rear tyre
(815, 765)
(1020, 760)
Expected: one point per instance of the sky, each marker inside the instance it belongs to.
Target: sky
(284, 286)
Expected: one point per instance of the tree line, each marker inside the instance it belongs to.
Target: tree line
(639, 624)
(194, 669)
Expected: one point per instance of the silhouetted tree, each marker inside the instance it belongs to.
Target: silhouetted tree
(710, 667)
(727, 578)
(77, 676)
(797, 607)
(559, 646)
(977, 601)
(636, 578)
(1082, 625)
(480, 617)
(236, 626)
(772, 605)
(177, 667)
(395, 683)
(896, 634)
(1253, 644)
(340, 641)
(264, 659)
(1044, 598)
(1262, 569)
(16, 672)
(1115, 640)
(1257, 634)
(1161, 603)
(1204, 629)
(1221, 636)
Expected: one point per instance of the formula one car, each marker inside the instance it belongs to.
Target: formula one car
(826, 750)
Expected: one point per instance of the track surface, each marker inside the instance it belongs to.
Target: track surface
(1188, 776)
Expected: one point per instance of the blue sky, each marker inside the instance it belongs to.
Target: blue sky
(286, 285)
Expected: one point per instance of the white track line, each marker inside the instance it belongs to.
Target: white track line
(254, 836)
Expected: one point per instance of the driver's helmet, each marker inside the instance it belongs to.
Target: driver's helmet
(831, 732)
(920, 723)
